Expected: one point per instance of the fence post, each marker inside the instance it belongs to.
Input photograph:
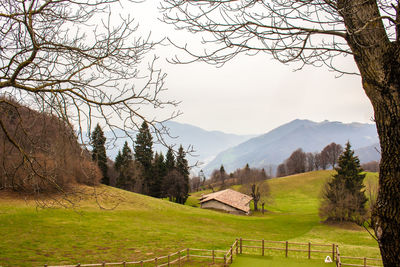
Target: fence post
(309, 250)
(333, 252)
(286, 251)
(365, 262)
(168, 260)
(78, 265)
(262, 247)
(231, 254)
(141, 263)
(179, 258)
(237, 246)
(103, 264)
(224, 260)
(240, 246)
(213, 256)
(187, 254)
(155, 261)
(124, 264)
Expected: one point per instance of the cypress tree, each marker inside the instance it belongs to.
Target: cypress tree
(98, 141)
(144, 155)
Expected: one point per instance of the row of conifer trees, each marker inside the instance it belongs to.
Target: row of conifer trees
(140, 170)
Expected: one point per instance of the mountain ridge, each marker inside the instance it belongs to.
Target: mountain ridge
(273, 147)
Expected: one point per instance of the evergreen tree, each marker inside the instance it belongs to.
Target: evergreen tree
(183, 169)
(98, 141)
(123, 164)
(170, 160)
(144, 155)
(344, 197)
(160, 171)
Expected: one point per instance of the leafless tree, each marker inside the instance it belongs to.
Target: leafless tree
(372, 166)
(296, 163)
(281, 170)
(315, 33)
(310, 161)
(76, 60)
(331, 153)
(259, 191)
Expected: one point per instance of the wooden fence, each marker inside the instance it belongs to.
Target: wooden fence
(243, 246)
(287, 247)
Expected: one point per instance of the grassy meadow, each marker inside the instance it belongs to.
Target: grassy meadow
(124, 226)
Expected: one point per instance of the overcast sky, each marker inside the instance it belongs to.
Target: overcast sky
(252, 95)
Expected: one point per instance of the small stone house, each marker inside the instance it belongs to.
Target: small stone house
(227, 200)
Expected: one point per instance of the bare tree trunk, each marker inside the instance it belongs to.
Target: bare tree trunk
(386, 214)
(378, 60)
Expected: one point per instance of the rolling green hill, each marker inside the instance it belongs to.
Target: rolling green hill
(129, 226)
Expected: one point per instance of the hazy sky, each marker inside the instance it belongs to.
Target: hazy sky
(252, 95)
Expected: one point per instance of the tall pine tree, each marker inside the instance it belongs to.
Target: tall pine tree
(160, 171)
(183, 169)
(98, 140)
(170, 160)
(123, 164)
(344, 198)
(144, 155)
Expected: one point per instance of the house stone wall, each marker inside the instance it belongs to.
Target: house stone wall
(213, 204)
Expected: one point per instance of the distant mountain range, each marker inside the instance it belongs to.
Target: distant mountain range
(274, 147)
(213, 148)
(206, 144)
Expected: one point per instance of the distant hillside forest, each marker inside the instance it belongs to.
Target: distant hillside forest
(39, 152)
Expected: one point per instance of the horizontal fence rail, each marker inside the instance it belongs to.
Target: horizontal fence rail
(286, 246)
(243, 246)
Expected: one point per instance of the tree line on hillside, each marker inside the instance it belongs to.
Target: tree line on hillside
(300, 162)
(140, 170)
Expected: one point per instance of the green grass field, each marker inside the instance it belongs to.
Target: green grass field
(259, 261)
(142, 227)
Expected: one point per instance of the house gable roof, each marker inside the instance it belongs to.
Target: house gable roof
(229, 197)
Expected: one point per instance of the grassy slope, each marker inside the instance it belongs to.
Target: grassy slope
(143, 227)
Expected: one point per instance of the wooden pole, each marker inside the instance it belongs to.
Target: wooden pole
(262, 253)
(141, 263)
(213, 256)
(237, 246)
(124, 264)
(287, 246)
(333, 252)
(240, 246)
(309, 250)
(231, 254)
(155, 261)
(103, 264)
(224, 260)
(179, 258)
(168, 260)
(188, 254)
(365, 262)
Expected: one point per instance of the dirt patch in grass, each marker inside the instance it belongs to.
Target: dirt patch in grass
(344, 225)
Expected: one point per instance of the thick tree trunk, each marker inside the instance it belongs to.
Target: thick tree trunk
(386, 215)
(378, 60)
